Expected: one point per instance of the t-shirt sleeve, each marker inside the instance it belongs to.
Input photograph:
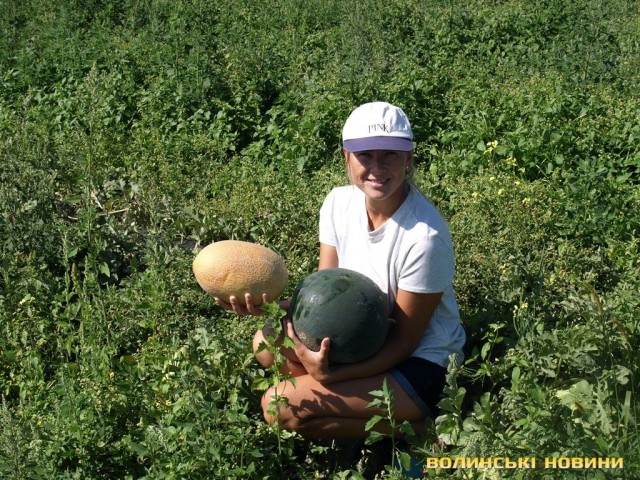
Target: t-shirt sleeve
(429, 267)
(327, 227)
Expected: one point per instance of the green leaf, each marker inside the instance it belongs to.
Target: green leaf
(104, 269)
(485, 350)
(256, 453)
(470, 425)
(372, 422)
(260, 384)
(578, 398)
(139, 449)
(622, 374)
(405, 460)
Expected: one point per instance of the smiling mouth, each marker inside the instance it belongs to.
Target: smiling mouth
(377, 181)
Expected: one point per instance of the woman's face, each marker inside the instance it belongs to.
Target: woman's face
(380, 174)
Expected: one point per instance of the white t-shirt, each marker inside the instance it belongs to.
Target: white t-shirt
(412, 251)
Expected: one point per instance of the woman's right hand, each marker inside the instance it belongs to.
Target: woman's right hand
(248, 308)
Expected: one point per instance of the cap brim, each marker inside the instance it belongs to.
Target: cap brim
(378, 143)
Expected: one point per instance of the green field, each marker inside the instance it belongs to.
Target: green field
(134, 132)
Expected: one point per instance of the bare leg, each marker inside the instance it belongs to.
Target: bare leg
(340, 428)
(337, 411)
(291, 365)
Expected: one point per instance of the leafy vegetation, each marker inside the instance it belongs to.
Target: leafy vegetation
(134, 132)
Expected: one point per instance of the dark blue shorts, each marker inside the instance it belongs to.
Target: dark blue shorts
(423, 381)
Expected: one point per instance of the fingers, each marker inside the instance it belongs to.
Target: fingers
(222, 303)
(291, 333)
(315, 364)
(248, 304)
(324, 346)
(235, 306)
(248, 308)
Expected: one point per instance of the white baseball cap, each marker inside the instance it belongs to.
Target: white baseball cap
(377, 126)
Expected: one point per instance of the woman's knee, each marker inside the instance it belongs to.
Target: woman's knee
(290, 364)
(262, 354)
(275, 409)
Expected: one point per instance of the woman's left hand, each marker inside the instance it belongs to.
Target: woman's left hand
(315, 363)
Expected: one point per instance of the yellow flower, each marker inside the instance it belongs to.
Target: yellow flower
(500, 191)
(490, 147)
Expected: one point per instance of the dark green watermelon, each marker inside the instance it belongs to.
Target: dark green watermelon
(345, 306)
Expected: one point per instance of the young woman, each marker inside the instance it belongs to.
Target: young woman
(382, 226)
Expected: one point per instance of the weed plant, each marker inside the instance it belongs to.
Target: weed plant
(134, 133)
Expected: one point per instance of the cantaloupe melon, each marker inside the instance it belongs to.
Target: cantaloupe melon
(344, 305)
(233, 268)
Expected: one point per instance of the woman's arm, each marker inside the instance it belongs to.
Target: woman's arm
(328, 257)
(411, 316)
